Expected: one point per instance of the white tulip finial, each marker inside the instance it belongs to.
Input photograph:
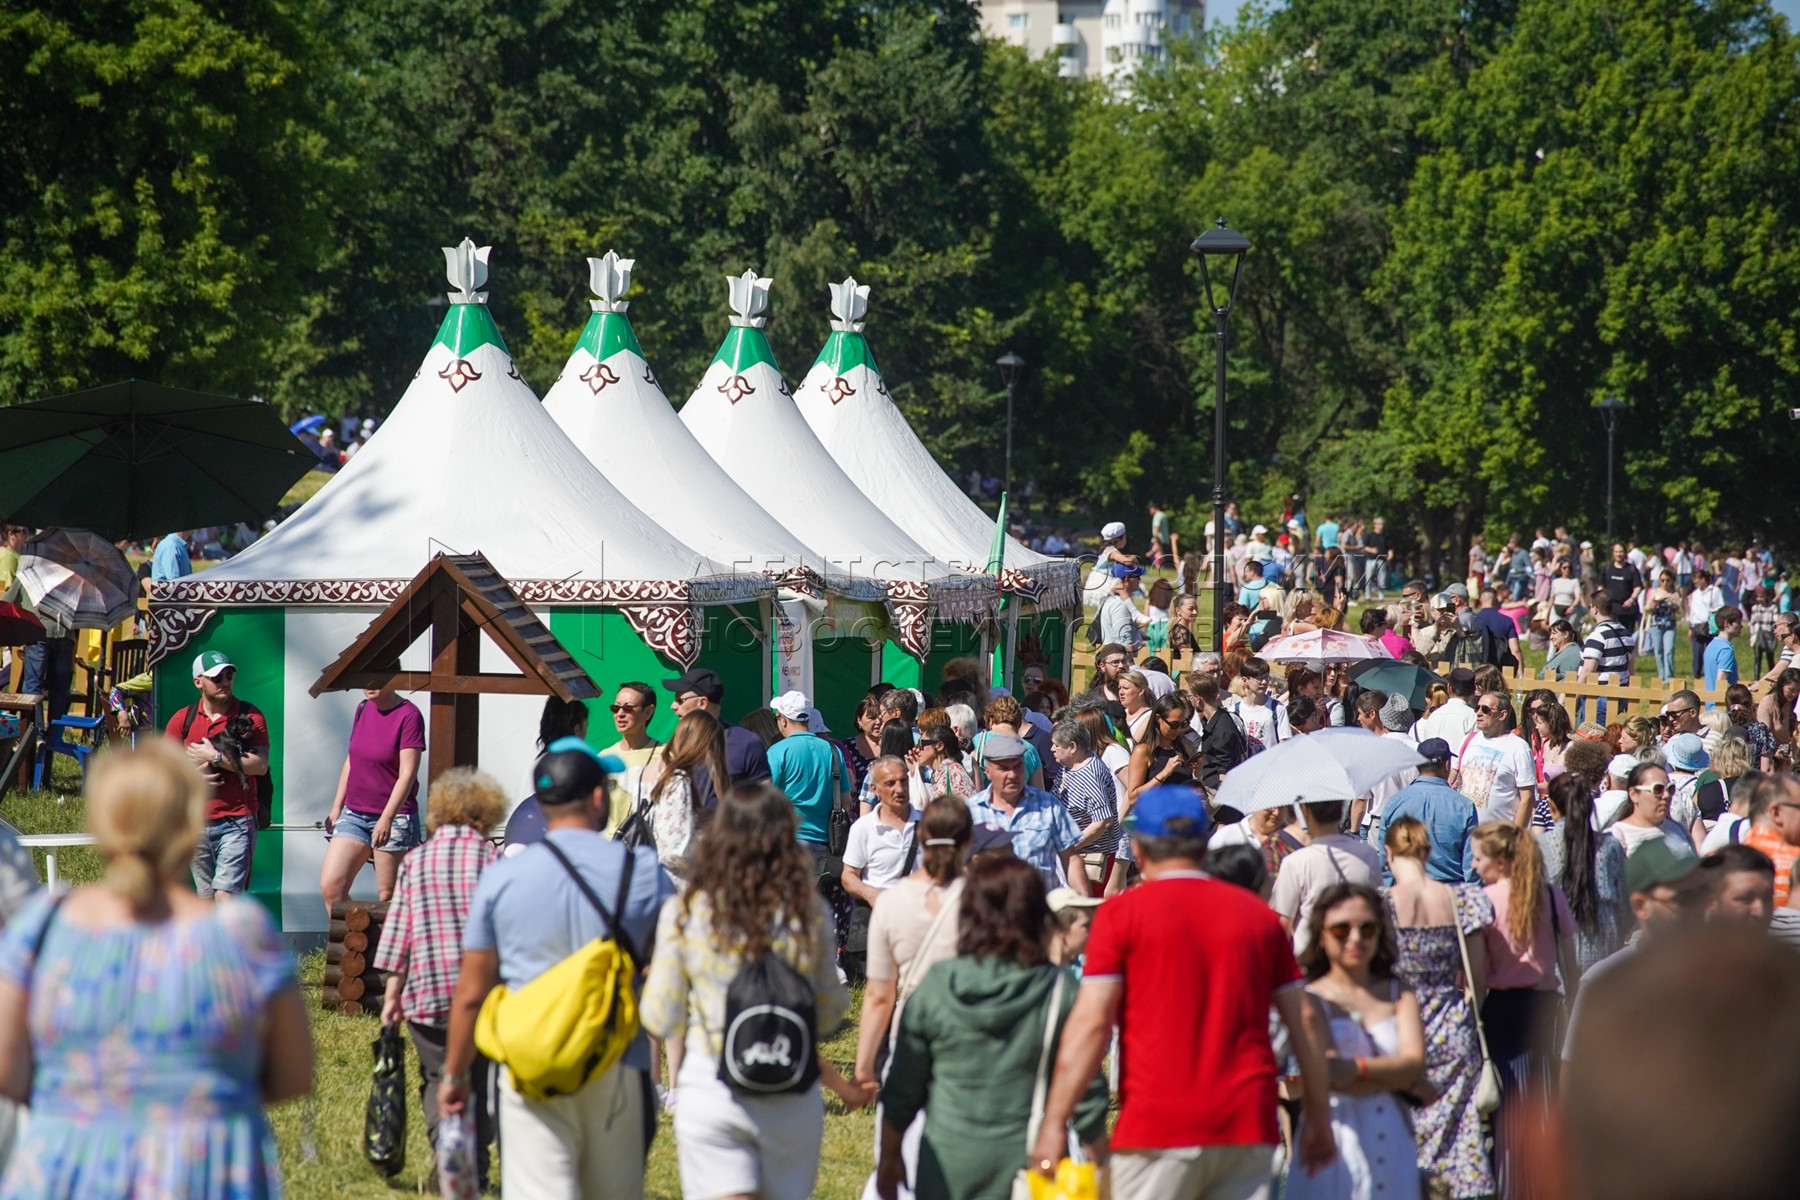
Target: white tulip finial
(749, 300)
(849, 303)
(467, 266)
(609, 278)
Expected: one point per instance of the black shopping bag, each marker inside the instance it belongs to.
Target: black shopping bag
(384, 1124)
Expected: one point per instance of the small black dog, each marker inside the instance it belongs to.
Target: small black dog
(232, 743)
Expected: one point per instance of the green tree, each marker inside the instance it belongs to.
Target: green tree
(1608, 213)
(161, 211)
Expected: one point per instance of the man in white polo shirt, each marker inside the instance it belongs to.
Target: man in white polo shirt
(881, 840)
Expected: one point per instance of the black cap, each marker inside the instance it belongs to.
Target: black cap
(565, 776)
(699, 681)
(1463, 677)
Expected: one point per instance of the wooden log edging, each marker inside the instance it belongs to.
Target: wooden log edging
(349, 984)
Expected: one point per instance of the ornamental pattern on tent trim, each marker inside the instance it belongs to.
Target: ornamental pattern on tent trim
(173, 627)
(458, 373)
(736, 388)
(662, 612)
(597, 377)
(840, 389)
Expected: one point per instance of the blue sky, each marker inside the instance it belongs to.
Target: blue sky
(1224, 12)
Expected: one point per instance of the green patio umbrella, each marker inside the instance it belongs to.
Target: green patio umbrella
(1391, 675)
(136, 460)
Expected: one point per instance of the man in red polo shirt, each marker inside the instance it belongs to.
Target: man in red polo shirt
(222, 859)
(1187, 967)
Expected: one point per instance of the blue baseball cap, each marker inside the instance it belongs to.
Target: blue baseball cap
(1158, 806)
(570, 769)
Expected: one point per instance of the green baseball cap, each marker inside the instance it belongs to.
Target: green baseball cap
(1653, 864)
(211, 662)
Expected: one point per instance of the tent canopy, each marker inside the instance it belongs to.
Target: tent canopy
(846, 403)
(743, 413)
(469, 462)
(611, 406)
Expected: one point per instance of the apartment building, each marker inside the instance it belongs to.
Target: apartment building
(1094, 39)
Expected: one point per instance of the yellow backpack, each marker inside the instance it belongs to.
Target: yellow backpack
(575, 1020)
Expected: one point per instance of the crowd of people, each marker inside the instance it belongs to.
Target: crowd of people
(1045, 900)
(1046, 903)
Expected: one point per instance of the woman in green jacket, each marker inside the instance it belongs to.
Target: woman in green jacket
(971, 1041)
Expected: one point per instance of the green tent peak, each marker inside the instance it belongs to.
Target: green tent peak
(743, 348)
(844, 351)
(606, 334)
(467, 328)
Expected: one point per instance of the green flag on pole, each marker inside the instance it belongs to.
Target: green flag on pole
(997, 548)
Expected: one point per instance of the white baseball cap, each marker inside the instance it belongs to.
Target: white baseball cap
(1112, 529)
(1621, 765)
(1256, 529)
(212, 664)
(792, 705)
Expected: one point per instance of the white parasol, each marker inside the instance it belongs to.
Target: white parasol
(1332, 764)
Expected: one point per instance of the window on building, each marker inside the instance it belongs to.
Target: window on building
(1018, 20)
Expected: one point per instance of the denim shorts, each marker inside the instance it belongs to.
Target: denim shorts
(222, 859)
(360, 827)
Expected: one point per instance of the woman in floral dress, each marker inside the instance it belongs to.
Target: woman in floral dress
(1452, 1153)
(147, 1027)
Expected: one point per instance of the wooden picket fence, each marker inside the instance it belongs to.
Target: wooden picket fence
(1623, 697)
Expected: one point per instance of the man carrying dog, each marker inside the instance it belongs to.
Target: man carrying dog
(222, 860)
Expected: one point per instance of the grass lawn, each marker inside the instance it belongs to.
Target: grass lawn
(307, 487)
(321, 1136)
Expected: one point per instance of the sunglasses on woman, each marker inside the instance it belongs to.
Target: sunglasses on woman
(1366, 930)
(1655, 789)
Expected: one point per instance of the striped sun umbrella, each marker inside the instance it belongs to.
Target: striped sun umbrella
(1332, 764)
(79, 579)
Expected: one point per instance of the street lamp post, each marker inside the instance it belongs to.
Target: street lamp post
(1222, 242)
(1009, 364)
(1610, 408)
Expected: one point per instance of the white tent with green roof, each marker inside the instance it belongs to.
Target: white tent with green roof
(846, 403)
(743, 413)
(468, 461)
(610, 404)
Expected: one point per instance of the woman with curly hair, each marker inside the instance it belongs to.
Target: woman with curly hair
(749, 892)
(421, 943)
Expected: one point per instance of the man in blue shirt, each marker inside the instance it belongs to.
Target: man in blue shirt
(171, 559)
(1448, 816)
(528, 913)
(1719, 667)
(1043, 832)
(808, 770)
(1326, 535)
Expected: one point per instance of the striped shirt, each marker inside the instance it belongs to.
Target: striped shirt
(1088, 792)
(1610, 647)
(423, 935)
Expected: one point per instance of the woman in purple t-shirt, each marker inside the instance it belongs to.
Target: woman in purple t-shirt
(377, 802)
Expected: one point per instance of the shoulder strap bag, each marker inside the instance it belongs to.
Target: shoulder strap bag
(1487, 1092)
(1040, 1088)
